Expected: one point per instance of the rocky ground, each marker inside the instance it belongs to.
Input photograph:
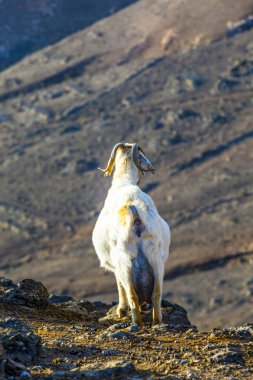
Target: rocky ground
(174, 76)
(57, 337)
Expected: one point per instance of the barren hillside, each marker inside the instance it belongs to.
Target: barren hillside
(174, 76)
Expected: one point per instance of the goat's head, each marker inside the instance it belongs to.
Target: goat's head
(128, 153)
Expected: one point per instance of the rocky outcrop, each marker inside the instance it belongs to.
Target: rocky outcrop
(27, 293)
(63, 338)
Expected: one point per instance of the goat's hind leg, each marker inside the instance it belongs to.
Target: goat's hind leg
(156, 298)
(133, 300)
(156, 303)
(134, 304)
(123, 305)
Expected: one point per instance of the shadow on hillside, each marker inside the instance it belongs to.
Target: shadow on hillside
(27, 26)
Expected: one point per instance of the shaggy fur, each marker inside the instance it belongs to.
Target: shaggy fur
(132, 240)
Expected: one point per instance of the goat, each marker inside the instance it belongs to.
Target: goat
(130, 237)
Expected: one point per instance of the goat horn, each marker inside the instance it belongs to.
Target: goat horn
(110, 165)
(135, 149)
(134, 152)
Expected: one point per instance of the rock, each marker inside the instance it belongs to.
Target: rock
(162, 328)
(183, 83)
(110, 352)
(241, 332)
(71, 129)
(25, 375)
(167, 39)
(118, 326)
(224, 84)
(14, 324)
(239, 26)
(21, 347)
(14, 368)
(220, 118)
(77, 308)
(119, 335)
(83, 166)
(150, 186)
(44, 112)
(174, 138)
(59, 299)
(190, 375)
(186, 113)
(134, 328)
(227, 356)
(112, 370)
(2, 360)
(215, 301)
(28, 293)
(7, 283)
(4, 117)
(53, 94)
(242, 68)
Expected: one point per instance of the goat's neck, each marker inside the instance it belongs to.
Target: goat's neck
(127, 176)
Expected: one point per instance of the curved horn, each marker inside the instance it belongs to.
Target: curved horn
(136, 161)
(108, 170)
(135, 157)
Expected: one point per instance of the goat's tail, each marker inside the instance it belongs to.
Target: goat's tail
(135, 223)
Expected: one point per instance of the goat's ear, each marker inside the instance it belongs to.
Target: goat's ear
(108, 171)
(145, 163)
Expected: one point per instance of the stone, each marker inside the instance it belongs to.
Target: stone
(59, 299)
(25, 375)
(14, 324)
(21, 347)
(14, 368)
(4, 117)
(83, 166)
(186, 113)
(121, 335)
(53, 94)
(110, 352)
(28, 293)
(242, 68)
(2, 359)
(240, 332)
(78, 308)
(239, 26)
(7, 283)
(44, 112)
(227, 356)
(224, 84)
(134, 328)
(118, 326)
(71, 129)
(113, 369)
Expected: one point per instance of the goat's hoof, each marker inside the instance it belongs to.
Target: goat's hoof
(121, 312)
(138, 322)
(156, 323)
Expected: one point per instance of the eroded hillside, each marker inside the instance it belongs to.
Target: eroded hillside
(177, 78)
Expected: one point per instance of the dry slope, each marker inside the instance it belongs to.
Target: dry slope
(170, 76)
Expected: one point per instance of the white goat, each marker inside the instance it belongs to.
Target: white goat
(130, 237)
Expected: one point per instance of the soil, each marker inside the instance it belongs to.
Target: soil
(79, 339)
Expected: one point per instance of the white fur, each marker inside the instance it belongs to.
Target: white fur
(114, 242)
